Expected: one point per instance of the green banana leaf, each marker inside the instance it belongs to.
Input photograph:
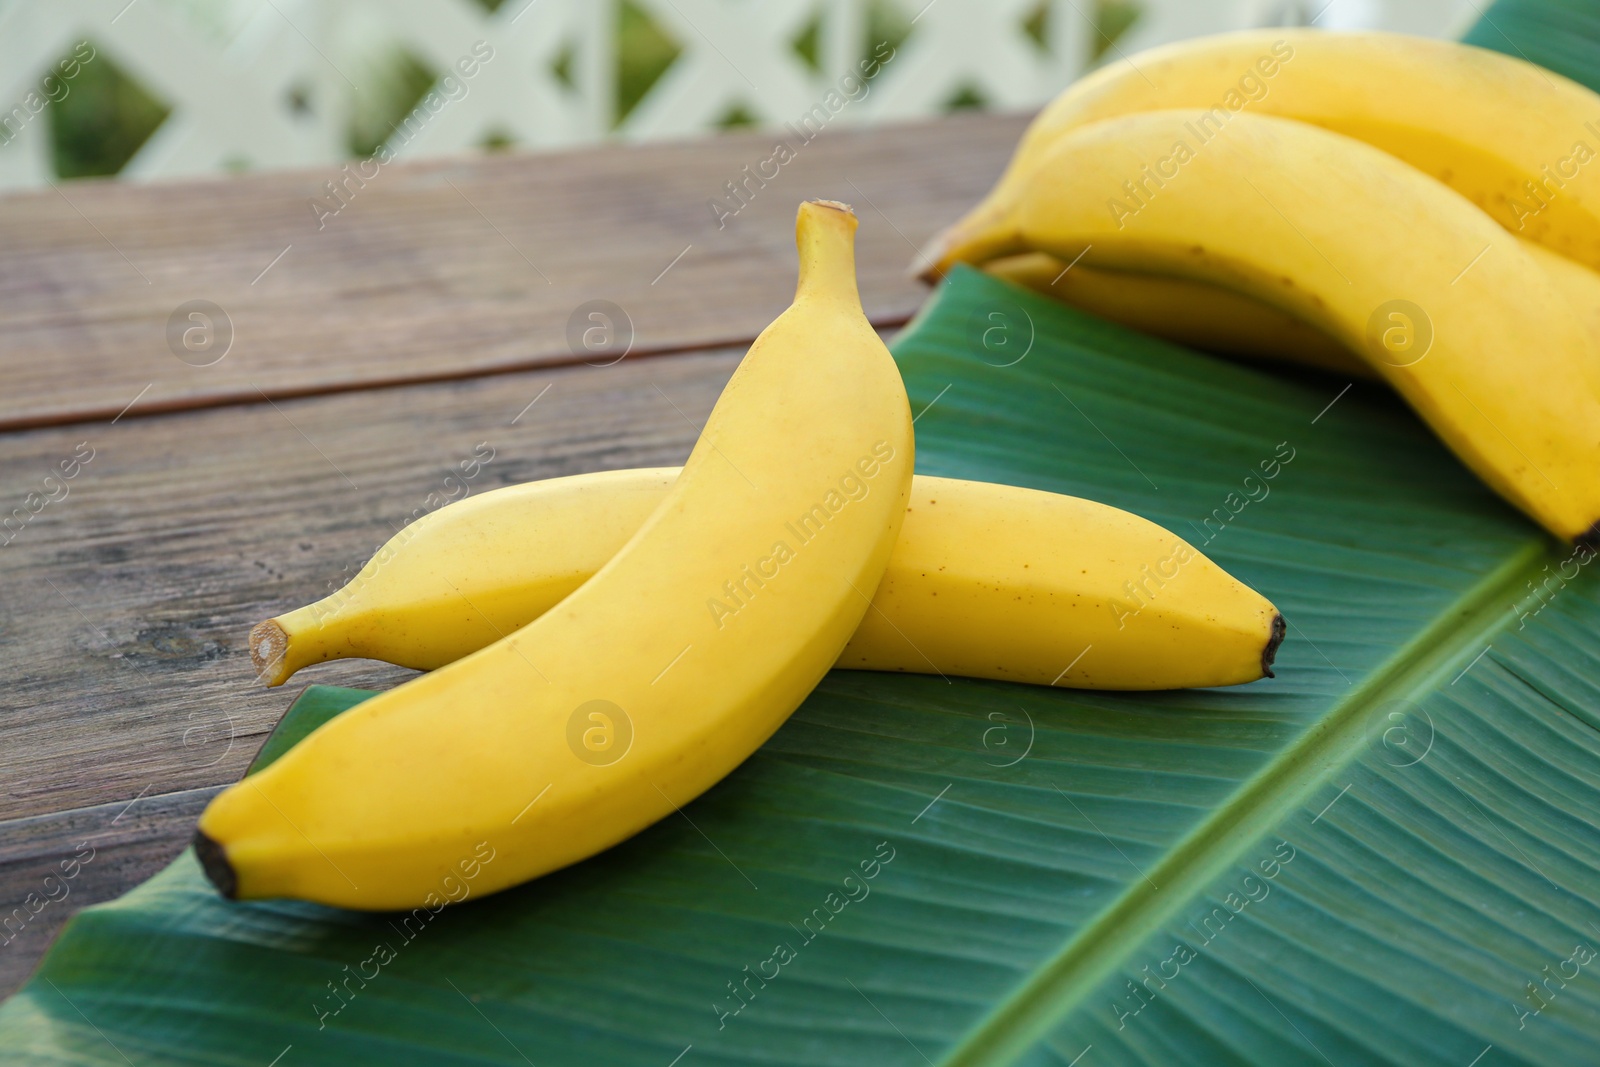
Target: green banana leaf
(1387, 854)
(1560, 35)
(1366, 860)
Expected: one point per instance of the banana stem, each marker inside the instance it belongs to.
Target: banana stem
(825, 233)
(269, 652)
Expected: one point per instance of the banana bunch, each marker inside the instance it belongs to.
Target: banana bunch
(610, 646)
(1411, 210)
(510, 749)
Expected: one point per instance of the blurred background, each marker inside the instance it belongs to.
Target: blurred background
(148, 89)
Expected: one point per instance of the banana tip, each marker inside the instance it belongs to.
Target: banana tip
(214, 861)
(1590, 538)
(927, 270)
(1270, 653)
(269, 642)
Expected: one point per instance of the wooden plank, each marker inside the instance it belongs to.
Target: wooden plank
(446, 269)
(126, 602)
(53, 865)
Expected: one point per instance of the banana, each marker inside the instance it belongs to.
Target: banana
(634, 695)
(460, 578)
(1206, 316)
(1517, 140)
(1577, 283)
(1447, 306)
(986, 581)
(1181, 310)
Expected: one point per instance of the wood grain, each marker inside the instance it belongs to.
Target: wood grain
(447, 268)
(126, 604)
(123, 617)
(425, 321)
(45, 879)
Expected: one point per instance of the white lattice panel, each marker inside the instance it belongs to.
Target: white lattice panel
(1162, 21)
(734, 54)
(516, 92)
(270, 83)
(229, 101)
(983, 48)
(229, 105)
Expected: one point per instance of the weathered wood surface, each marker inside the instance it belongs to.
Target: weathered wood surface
(416, 326)
(445, 269)
(52, 865)
(126, 604)
(128, 601)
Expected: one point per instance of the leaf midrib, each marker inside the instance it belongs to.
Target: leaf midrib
(1285, 783)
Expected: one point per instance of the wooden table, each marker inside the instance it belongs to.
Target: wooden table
(352, 367)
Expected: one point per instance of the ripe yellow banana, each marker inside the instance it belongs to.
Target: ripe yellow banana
(631, 697)
(1448, 307)
(986, 581)
(1519, 141)
(1189, 312)
(1577, 283)
(1206, 316)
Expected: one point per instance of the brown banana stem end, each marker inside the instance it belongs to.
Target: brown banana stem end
(214, 861)
(837, 205)
(1270, 653)
(269, 644)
